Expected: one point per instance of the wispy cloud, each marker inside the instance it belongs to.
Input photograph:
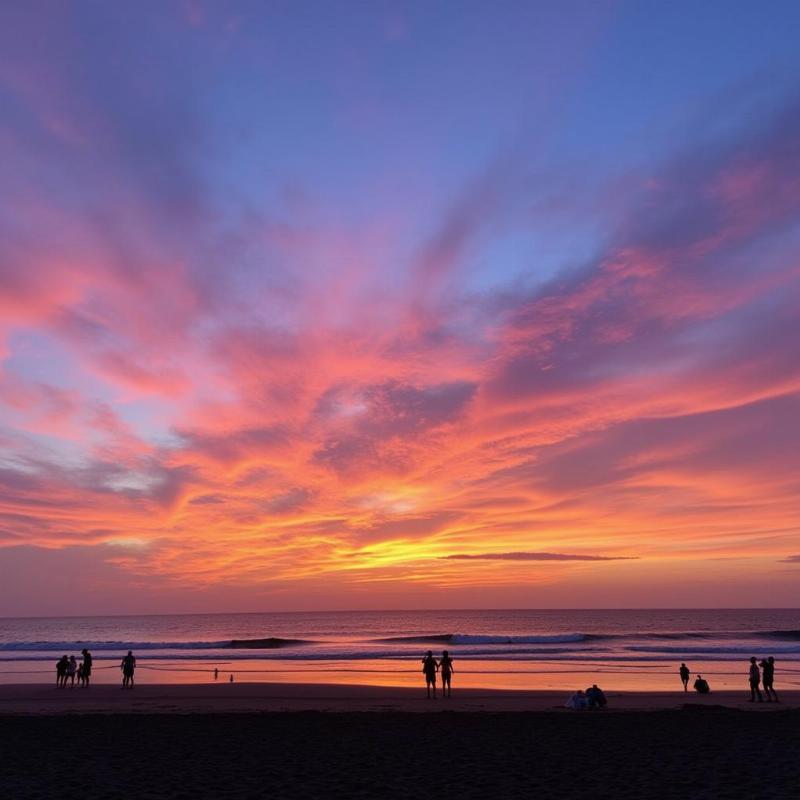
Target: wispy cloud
(523, 556)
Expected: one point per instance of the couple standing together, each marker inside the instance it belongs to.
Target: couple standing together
(430, 666)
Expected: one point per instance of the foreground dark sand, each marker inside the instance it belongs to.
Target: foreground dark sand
(328, 741)
(708, 753)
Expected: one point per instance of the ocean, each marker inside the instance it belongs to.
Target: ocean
(519, 649)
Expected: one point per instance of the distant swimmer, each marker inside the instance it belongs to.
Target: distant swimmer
(446, 668)
(768, 678)
(128, 667)
(701, 685)
(755, 680)
(684, 673)
(429, 667)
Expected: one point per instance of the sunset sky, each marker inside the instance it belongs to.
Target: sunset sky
(322, 305)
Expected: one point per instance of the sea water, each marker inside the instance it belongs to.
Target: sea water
(517, 649)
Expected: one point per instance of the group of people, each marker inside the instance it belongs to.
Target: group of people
(430, 666)
(765, 676)
(68, 668)
(593, 697)
(760, 673)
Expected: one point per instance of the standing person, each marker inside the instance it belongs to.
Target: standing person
(684, 673)
(755, 679)
(80, 674)
(216, 673)
(429, 667)
(446, 667)
(128, 667)
(72, 668)
(768, 676)
(87, 666)
(61, 670)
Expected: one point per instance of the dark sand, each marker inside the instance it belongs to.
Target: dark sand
(699, 751)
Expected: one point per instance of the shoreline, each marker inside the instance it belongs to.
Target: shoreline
(243, 697)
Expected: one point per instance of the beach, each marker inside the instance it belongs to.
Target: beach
(323, 741)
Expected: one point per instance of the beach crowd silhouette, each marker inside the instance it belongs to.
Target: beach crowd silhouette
(761, 674)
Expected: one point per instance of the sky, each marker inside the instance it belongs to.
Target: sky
(311, 305)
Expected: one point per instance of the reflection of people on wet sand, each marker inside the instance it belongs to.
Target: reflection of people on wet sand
(684, 673)
(128, 666)
(755, 680)
(429, 667)
(768, 677)
(701, 685)
(446, 667)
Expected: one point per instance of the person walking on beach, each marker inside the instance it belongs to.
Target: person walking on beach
(128, 667)
(87, 666)
(684, 673)
(216, 673)
(755, 680)
(446, 667)
(429, 667)
(768, 677)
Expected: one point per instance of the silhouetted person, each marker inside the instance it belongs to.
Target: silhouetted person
(231, 678)
(767, 678)
(216, 673)
(595, 697)
(755, 680)
(128, 667)
(80, 674)
(684, 673)
(87, 666)
(701, 685)
(577, 702)
(61, 670)
(72, 668)
(446, 668)
(429, 667)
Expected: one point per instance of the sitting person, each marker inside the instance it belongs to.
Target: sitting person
(701, 685)
(577, 702)
(595, 697)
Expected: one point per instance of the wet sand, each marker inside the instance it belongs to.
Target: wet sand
(223, 697)
(197, 742)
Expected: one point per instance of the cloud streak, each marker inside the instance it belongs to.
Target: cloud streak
(523, 556)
